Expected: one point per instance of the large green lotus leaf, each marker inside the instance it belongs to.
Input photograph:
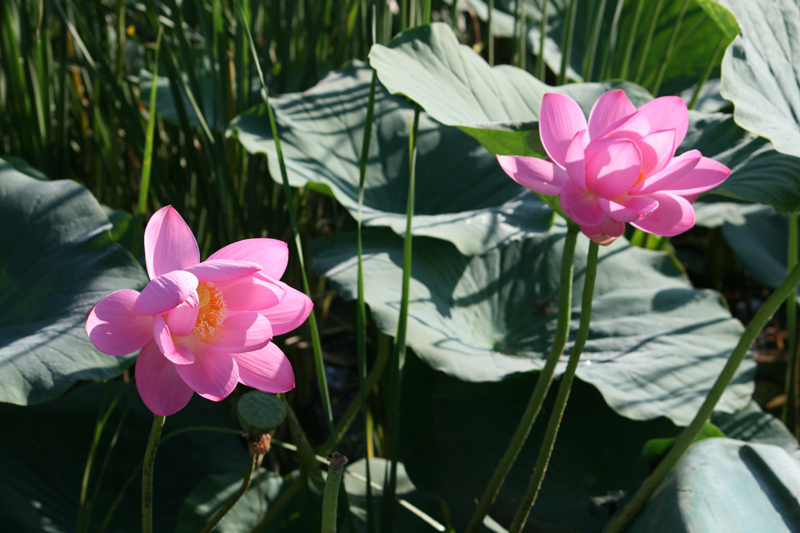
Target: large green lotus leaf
(761, 244)
(414, 511)
(43, 451)
(655, 344)
(751, 424)
(759, 173)
(693, 49)
(57, 259)
(453, 433)
(499, 106)
(462, 194)
(760, 70)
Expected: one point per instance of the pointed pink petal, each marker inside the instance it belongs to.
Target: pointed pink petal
(657, 150)
(253, 293)
(213, 375)
(168, 243)
(667, 113)
(114, 328)
(165, 293)
(612, 167)
(574, 162)
(580, 206)
(271, 254)
(628, 209)
(705, 176)
(242, 332)
(606, 232)
(609, 109)
(267, 369)
(673, 216)
(675, 170)
(216, 270)
(165, 345)
(290, 313)
(535, 174)
(182, 319)
(560, 119)
(161, 389)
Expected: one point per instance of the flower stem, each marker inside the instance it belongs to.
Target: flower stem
(248, 476)
(147, 473)
(629, 512)
(330, 498)
(542, 384)
(563, 394)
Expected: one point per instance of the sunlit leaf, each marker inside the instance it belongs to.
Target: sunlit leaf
(57, 259)
(462, 194)
(655, 344)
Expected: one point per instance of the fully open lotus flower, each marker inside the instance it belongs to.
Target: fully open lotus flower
(620, 167)
(202, 327)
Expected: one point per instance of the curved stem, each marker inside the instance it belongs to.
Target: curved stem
(231, 503)
(542, 384)
(330, 498)
(629, 512)
(147, 473)
(563, 394)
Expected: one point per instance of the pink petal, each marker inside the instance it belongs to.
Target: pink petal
(675, 170)
(606, 232)
(673, 216)
(705, 176)
(114, 328)
(609, 109)
(612, 167)
(667, 113)
(290, 313)
(535, 174)
(271, 254)
(574, 161)
(253, 293)
(628, 209)
(657, 150)
(168, 243)
(161, 388)
(560, 119)
(165, 345)
(182, 319)
(165, 293)
(580, 206)
(213, 375)
(242, 332)
(267, 369)
(217, 270)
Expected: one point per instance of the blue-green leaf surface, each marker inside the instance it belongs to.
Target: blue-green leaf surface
(57, 259)
(655, 344)
(760, 70)
(462, 194)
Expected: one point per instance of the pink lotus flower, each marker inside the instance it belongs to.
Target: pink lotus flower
(620, 167)
(202, 327)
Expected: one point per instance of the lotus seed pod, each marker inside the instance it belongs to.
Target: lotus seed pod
(260, 412)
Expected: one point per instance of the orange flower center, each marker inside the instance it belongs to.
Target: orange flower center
(642, 177)
(212, 310)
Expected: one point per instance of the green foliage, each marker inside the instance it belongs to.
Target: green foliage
(56, 263)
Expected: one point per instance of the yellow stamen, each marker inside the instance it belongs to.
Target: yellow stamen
(641, 178)
(212, 310)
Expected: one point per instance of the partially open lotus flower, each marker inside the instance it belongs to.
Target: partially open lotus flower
(202, 327)
(620, 167)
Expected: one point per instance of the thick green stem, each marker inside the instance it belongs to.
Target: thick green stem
(542, 384)
(330, 497)
(147, 473)
(231, 503)
(791, 320)
(629, 512)
(563, 394)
